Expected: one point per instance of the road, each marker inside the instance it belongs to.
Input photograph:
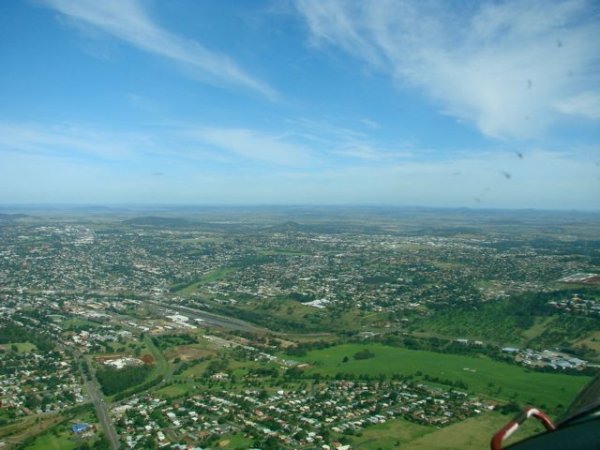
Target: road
(93, 391)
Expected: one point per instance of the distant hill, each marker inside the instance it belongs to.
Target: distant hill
(180, 222)
(155, 221)
(335, 227)
(11, 217)
(290, 225)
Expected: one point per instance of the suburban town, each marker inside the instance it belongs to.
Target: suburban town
(147, 333)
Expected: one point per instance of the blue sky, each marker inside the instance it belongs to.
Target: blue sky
(435, 103)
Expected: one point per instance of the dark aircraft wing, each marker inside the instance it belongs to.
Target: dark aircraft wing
(579, 430)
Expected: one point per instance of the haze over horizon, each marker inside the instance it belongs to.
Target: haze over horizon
(479, 105)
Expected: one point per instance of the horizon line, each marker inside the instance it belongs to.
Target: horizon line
(130, 205)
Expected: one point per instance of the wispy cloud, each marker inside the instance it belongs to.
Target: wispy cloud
(254, 145)
(512, 68)
(586, 104)
(129, 21)
(82, 142)
(301, 144)
(354, 143)
(71, 141)
(60, 163)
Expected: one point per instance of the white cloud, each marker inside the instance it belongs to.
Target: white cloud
(127, 20)
(371, 124)
(349, 142)
(500, 65)
(324, 145)
(586, 104)
(60, 163)
(71, 141)
(253, 145)
(81, 142)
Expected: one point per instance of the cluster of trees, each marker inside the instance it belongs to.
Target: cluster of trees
(182, 367)
(216, 365)
(503, 320)
(268, 371)
(140, 388)
(99, 444)
(173, 340)
(114, 381)
(303, 348)
(456, 384)
(302, 297)
(11, 332)
(364, 354)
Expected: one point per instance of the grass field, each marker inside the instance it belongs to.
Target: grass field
(173, 391)
(76, 322)
(202, 349)
(49, 441)
(22, 347)
(471, 434)
(195, 370)
(60, 437)
(186, 353)
(593, 341)
(482, 375)
(474, 433)
(234, 442)
(19, 431)
(397, 433)
(540, 325)
(207, 278)
(161, 365)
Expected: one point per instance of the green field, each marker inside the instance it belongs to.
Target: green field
(174, 390)
(473, 433)
(49, 441)
(482, 375)
(60, 437)
(78, 323)
(161, 366)
(206, 278)
(27, 427)
(235, 441)
(22, 347)
(540, 325)
(397, 433)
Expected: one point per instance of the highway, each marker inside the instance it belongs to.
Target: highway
(91, 384)
(93, 391)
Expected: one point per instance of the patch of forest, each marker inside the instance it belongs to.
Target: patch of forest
(505, 320)
(114, 381)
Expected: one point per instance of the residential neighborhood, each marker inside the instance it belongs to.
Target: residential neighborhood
(277, 335)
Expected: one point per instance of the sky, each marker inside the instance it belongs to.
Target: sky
(478, 104)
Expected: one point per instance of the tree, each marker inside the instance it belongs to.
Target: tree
(364, 354)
